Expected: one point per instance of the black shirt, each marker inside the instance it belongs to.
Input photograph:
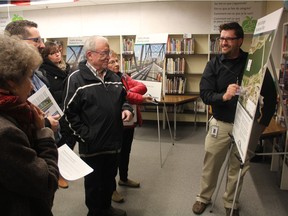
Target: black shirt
(219, 73)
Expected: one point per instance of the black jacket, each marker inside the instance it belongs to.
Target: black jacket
(56, 78)
(218, 75)
(221, 72)
(93, 110)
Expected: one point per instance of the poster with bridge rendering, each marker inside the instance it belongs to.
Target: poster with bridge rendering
(149, 55)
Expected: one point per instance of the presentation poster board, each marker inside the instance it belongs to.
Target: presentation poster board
(149, 53)
(255, 69)
(74, 53)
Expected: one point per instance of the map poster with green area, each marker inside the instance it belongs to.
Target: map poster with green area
(255, 69)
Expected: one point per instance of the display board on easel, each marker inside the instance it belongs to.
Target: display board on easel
(149, 53)
(74, 51)
(258, 57)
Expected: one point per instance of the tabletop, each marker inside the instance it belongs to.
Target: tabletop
(179, 99)
(273, 129)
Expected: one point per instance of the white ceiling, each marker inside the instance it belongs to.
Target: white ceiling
(72, 4)
(88, 3)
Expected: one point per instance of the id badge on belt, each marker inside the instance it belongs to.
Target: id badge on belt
(214, 130)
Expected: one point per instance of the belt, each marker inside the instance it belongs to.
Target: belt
(101, 153)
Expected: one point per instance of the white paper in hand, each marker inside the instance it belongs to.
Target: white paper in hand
(71, 166)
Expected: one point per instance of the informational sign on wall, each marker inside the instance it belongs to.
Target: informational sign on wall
(6, 18)
(245, 13)
(255, 69)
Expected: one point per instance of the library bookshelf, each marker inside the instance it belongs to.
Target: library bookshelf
(282, 113)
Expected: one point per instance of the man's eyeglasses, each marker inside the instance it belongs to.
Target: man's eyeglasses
(36, 40)
(227, 39)
(102, 53)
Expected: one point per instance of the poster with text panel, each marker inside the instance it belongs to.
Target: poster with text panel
(258, 56)
(149, 53)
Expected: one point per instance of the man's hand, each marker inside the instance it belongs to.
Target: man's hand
(231, 92)
(127, 116)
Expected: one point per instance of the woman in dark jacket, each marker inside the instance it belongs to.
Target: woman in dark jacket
(28, 154)
(56, 70)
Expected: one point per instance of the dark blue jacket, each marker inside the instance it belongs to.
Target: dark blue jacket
(93, 110)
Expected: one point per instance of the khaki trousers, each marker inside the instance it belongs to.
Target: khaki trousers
(216, 149)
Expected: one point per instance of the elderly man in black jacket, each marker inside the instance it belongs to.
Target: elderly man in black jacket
(95, 108)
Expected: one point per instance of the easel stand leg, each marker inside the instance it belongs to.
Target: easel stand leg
(237, 185)
(225, 164)
(159, 132)
(168, 122)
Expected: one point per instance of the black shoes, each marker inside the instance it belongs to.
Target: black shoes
(129, 183)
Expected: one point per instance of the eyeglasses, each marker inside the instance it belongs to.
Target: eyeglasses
(113, 61)
(228, 39)
(101, 53)
(36, 40)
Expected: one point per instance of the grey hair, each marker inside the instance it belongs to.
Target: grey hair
(17, 59)
(91, 43)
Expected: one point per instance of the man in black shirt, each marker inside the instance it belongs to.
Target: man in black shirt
(219, 87)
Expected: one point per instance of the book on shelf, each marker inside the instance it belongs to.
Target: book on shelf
(283, 76)
(175, 65)
(128, 45)
(175, 85)
(285, 38)
(214, 46)
(180, 46)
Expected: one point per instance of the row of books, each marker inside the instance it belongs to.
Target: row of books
(128, 45)
(281, 109)
(180, 46)
(175, 85)
(285, 42)
(175, 66)
(214, 45)
(283, 76)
